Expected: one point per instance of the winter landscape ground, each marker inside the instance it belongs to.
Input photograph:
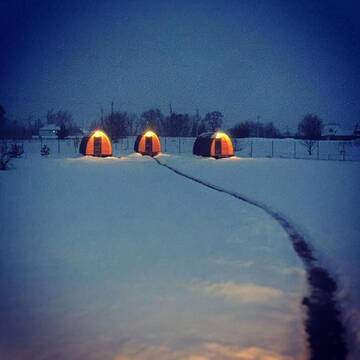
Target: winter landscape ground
(120, 258)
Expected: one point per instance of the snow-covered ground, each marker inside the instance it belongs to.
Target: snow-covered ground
(119, 258)
(322, 198)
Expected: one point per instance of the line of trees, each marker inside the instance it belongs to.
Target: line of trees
(28, 127)
(17, 129)
(121, 124)
(65, 122)
(255, 129)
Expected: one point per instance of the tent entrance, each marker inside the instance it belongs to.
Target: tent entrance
(97, 146)
(217, 147)
(148, 145)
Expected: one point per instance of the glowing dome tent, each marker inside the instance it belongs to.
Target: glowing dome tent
(96, 144)
(215, 144)
(148, 144)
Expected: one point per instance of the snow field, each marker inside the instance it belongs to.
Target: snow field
(118, 258)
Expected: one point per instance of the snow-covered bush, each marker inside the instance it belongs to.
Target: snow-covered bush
(4, 160)
(16, 150)
(45, 150)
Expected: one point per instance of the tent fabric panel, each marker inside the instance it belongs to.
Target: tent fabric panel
(106, 147)
(82, 148)
(137, 142)
(226, 147)
(202, 145)
(140, 144)
(205, 145)
(156, 144)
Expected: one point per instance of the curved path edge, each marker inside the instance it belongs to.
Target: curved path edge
(326, 333)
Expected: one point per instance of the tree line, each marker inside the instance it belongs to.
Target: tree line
(28, 127)
(120, 124)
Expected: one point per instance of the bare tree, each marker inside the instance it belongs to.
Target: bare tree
(309, 129)
(309, 145)
(132, 122)
(213, 121)
(195, 121)
(240, 130)
(63, 119)
(151, 119)
(177, 125)
(116, 124)
(271, 131)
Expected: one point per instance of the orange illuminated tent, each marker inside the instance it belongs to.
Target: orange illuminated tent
(148, 144)
(214, 144)
(96, 144)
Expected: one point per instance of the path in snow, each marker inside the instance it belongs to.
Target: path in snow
(324, 327)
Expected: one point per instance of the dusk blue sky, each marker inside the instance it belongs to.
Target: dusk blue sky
(274, 59)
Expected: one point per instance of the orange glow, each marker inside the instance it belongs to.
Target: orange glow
(149, 144)
(149, 134)
(105, 144)
(99, 133)
(227, 148)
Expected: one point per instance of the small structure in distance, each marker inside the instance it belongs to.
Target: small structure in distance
(96, 144)
(148, 144)
(333, 131)
(213, 144)
(49, 131)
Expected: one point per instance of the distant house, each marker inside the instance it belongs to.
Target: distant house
(333, 131)
(49, 131)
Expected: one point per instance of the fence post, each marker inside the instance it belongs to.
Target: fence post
(343, 151)
(58, 145)
(251, 148)
(179, 145)
(272, 148)
(318, 150)
(295, 149)
(165, 143)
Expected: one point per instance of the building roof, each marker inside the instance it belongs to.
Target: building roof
(334, 129)
(50, 127)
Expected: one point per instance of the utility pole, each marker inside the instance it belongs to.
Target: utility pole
(257, 126)
(170, 107)
(197, 121)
